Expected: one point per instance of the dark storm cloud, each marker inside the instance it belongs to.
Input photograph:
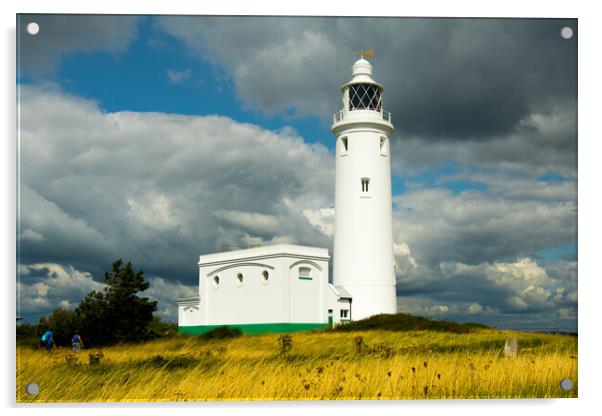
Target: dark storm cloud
(541, 144)
(61, 34)
(445, 79)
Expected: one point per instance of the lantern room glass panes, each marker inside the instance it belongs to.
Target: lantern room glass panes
(364, 97)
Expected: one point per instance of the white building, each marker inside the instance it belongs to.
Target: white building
(266, 289)
(284, 288)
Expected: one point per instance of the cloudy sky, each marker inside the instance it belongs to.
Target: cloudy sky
(157, 139)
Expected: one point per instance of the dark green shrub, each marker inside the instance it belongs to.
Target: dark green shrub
(222, 332)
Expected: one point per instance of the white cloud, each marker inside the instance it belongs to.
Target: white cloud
(166, 293)
(520, 285)
(152, 210)
(474, 308)
(439, 309)
(47, 286)
(99, 186)
(41, 288)
(403, 250)
(178, 77)
(322, 219)
(474, 227)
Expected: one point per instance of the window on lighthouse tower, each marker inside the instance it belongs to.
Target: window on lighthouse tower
(383, 146)
(365, 184)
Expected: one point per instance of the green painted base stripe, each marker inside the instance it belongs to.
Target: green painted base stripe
(255, 328)
(305, 278)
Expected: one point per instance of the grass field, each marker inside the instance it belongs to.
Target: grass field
(413, 364)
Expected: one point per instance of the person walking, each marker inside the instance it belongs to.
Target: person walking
(47, 341)
(77, 343)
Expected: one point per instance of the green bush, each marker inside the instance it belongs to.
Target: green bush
(222, 332)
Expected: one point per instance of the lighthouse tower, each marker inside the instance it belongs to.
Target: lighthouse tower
(363, 239)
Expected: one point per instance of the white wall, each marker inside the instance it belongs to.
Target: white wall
(336, 303)
(189, 312)
(284, 297)
(253, 301)
(307, 297)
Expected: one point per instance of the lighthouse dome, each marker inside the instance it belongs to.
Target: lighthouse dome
(361, 71)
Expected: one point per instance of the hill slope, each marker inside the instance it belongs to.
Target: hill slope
(407, 322)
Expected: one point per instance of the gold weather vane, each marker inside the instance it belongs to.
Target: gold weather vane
(368, 53)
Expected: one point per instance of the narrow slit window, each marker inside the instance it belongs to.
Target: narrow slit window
(383, 146)
(365, 184)
(345, 144)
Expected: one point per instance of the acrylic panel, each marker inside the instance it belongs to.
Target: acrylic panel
(233, 208)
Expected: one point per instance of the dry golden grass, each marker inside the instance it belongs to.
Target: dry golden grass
(396, 365)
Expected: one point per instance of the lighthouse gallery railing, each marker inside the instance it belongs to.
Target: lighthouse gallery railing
(338, 116)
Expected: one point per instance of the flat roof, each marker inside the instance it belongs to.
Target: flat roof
(276, 250)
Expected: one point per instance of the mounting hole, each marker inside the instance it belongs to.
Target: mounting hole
(566, 32)
(566, 384)
(32, 389)
(33, 28)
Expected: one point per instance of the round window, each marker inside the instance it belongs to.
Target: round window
(265, 276)
(216, 281)
(239, 279)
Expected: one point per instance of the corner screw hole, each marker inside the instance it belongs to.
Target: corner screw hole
(566, 32)
(566, 384)
(33, 28)
(32, 389)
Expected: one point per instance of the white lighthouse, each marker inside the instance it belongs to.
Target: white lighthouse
(363, 240)
(285, 288)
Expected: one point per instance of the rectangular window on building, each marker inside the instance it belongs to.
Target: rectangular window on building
(305, 273)
(344, 313)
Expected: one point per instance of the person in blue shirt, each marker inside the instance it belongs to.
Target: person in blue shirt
(47, 341)
(77, 343)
